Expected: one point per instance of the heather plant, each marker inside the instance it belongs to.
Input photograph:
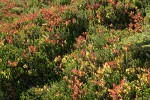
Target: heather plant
(74, 49)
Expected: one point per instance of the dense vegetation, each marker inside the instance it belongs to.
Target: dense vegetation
(74, 49)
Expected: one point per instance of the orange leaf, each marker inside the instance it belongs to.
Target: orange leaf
(74, 71)
(93, 56)
(12, 64)
(112, 92)
(122, 82)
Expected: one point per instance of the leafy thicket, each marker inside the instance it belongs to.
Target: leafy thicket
(74, 49)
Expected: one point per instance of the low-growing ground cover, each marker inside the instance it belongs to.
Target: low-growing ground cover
(74, 49)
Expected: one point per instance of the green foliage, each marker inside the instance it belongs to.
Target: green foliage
(139, 47)
(55, 91)
(74, 49)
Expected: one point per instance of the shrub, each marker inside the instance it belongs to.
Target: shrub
(74, 49)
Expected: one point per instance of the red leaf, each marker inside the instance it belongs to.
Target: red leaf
(32, 49)
(114, 85)
(10, 39)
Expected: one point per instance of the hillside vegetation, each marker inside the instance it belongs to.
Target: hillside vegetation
(74, 49)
